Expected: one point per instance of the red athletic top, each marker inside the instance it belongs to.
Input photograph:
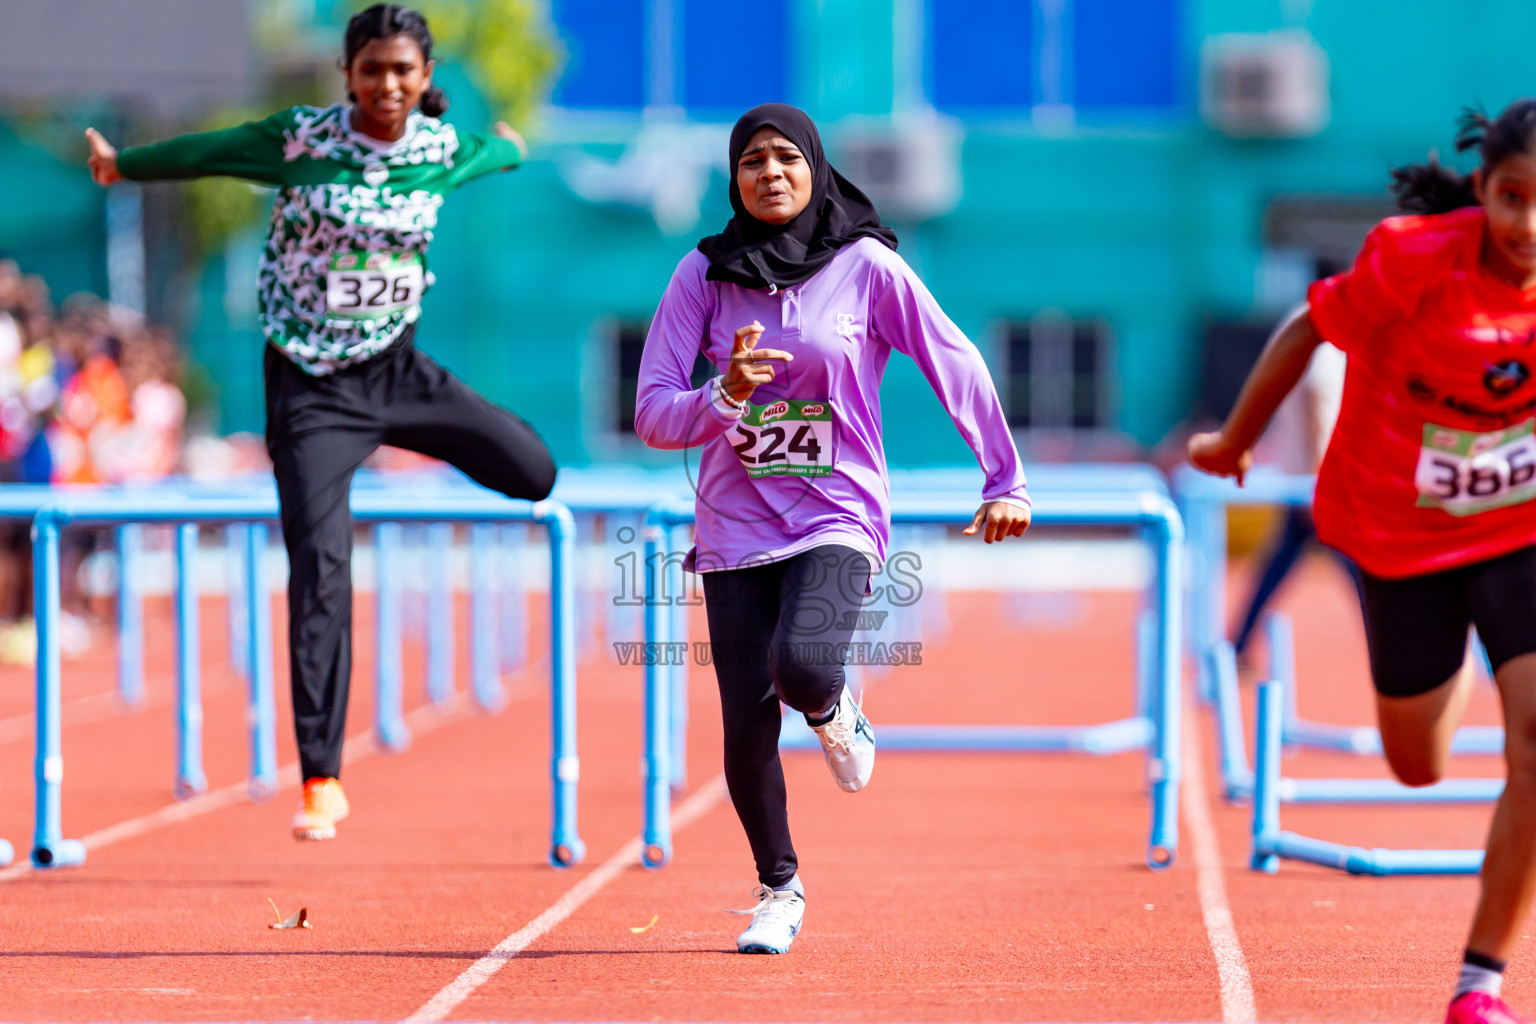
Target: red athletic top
(1433, 462)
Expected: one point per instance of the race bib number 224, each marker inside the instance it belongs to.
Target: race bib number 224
(1465, 473)
(786, 438)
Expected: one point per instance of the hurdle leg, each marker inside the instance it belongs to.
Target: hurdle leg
(440, 643)
(621, 610)
(1146, 663)
(1211, 627)
(1164, 768)
(1236, 776)
(190, 779)
(485, 669)
(1194, 603)
(566, 847)
(390, 730)
(234, 563)
(678, 670)
(49, 848)
(261, 709)
(1266, 780)
(513, 638)
(590, 582)
(1281, 639)
(656, 851)
(130, 617)
(1295, 731)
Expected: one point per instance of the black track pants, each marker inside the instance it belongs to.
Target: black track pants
(774, 634)
(319, 430)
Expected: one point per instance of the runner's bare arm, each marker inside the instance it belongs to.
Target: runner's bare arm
(1229, 451)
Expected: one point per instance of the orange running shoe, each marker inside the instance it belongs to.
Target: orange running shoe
(324, 805)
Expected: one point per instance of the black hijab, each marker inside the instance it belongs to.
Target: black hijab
(755, 254)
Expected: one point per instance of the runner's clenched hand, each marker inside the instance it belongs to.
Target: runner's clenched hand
(750, 365)
(1211, 453)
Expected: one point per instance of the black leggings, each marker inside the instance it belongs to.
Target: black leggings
(319, 430)
(775, 634)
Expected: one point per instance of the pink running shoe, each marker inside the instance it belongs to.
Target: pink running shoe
(1481, 1008)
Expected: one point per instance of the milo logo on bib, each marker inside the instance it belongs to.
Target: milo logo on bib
(786, 438)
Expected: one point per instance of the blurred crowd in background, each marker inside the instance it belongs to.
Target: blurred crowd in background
(89, 392)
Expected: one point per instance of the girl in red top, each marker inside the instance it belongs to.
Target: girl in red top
(1429, 483)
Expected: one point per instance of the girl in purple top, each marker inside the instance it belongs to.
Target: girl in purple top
(793, 495)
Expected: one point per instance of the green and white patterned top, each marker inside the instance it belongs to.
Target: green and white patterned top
(344, 266)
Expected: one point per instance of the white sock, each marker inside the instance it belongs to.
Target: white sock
(1475, 978)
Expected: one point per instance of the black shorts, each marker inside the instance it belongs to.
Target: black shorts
(1416, 628)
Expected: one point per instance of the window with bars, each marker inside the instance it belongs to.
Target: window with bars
(1059, 374)
(629, 342)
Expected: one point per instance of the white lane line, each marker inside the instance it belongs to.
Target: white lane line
(422, 720)
(455, 992)
(1231, 967)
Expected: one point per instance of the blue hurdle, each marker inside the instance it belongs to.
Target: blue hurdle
(1237, 776)
(589, 492)
(1204, 501)
(1239, 779)
(1155, 728)
(187, 509)
(391, 733)
(1270, 843)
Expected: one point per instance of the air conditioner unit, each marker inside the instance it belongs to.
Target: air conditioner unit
(909, 166)
(1266, 85)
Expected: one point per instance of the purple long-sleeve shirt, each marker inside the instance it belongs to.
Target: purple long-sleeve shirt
(806, 466)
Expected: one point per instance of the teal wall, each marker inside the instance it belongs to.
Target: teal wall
(1151, 221)
(52, 219)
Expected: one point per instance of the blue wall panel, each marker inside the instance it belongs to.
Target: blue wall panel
(981, 54)
(735, 55)
(605, 43)
(1124, 53)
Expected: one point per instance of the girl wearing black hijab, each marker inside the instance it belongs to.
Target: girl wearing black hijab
(793, 496)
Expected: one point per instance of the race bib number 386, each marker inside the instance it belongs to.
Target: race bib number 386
(786, 438)
(367, 286)
(1465, 473)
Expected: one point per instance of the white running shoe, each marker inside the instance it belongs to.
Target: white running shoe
(775, 921)
(849, 743)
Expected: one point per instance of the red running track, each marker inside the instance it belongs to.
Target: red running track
(956, 888)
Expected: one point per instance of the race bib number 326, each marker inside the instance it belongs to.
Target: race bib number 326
(367, 286)
(785, 438)
(1465, 473)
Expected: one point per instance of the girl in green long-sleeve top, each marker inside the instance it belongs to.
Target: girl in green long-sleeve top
(339, 293)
